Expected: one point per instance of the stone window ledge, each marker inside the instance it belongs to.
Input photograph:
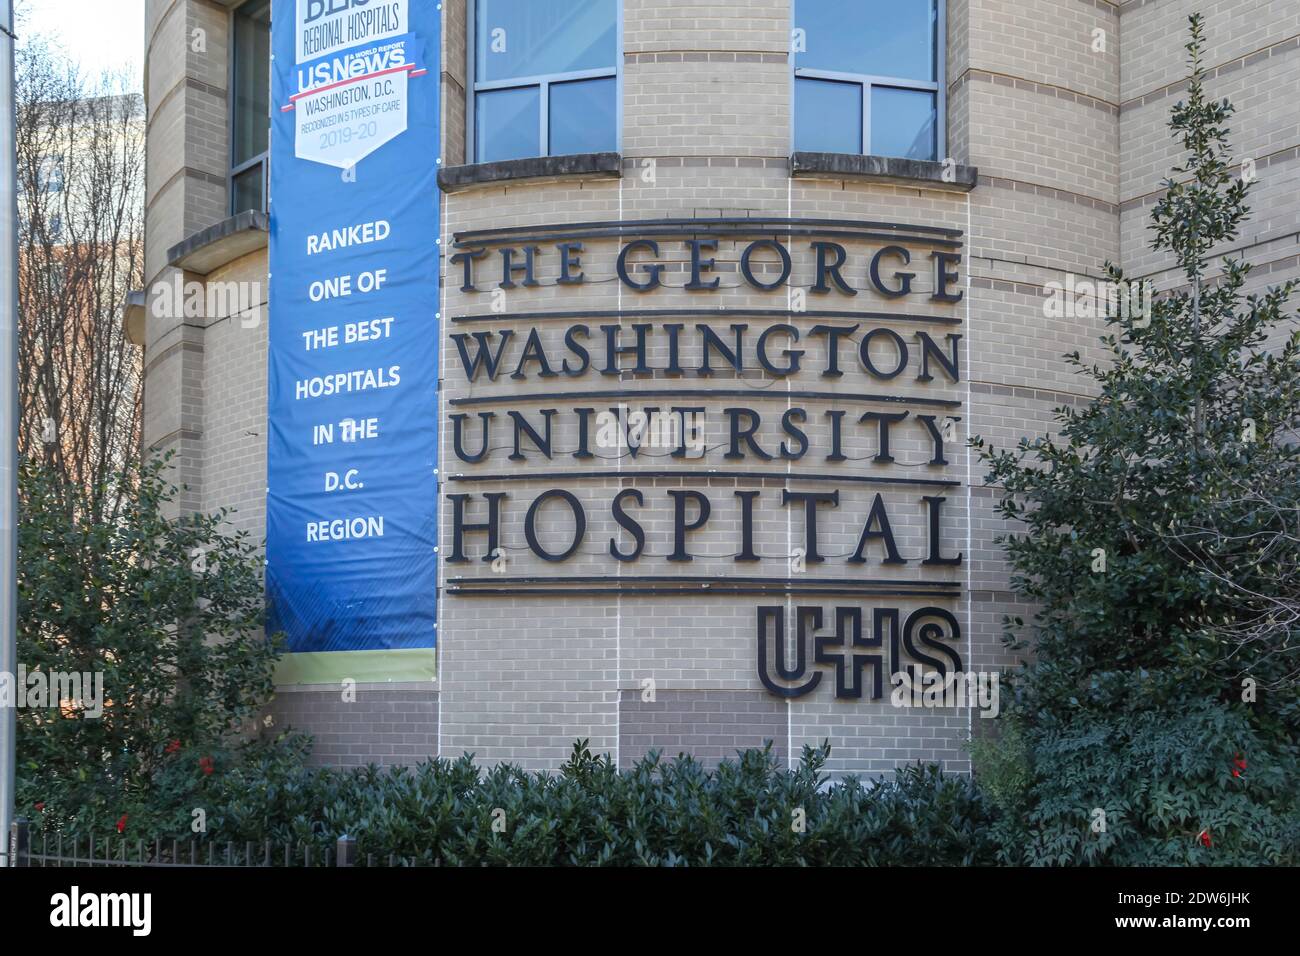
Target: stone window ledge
(577, 166)
(219, 245)
(919, 173)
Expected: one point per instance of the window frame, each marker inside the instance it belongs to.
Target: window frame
(51, 173)
(542, 82)
(866, 81)
(262, 159)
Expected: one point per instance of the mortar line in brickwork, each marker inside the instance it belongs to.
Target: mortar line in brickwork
(1289, 44)
(705, 314)
(1257, 268)
(1011, 285)
(618, 600)
(1034, 86)
(706, 228)
(1261, 162)
(701, 393)
(789, 519)
(689, 475)
(749, 226)
(1051, 192)
(725, 234)
(893, 583)
(439, 638)
(696, 592)
(970, 494)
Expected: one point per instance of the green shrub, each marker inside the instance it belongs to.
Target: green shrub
(1155, 535)
(1002, 767)
(747, 811)
(169, 611)
(1197, 785)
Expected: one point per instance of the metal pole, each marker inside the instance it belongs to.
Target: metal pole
(8, 424)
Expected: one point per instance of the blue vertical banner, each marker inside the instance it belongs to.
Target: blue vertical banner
(353, 363)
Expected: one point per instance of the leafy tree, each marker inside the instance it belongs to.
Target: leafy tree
(1163, 552)
(169, 611)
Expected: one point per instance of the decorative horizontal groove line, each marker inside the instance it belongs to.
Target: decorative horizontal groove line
(1261, 162)
(756, 225)
(1289, 45)
(185, 172)
(701, 476)
(629, 690)
(705, 56)
(669, 232)
(455, 81)
(1025, 391)
(700, 393)
(723, 589)
(1285, 264)
(165, 354)
(1033, 288)
(185, 83)
(716, 162)
(1020, 288)
(172, 7)
(1051, 192)
(1287, 237)
(700, 579)
(706, 314)
(175, 435)
(1033, 86)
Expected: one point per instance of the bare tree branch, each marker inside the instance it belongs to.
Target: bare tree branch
(80, 147)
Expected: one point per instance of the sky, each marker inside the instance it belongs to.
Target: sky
(97, 34)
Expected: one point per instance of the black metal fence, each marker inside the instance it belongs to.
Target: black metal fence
(106, 850)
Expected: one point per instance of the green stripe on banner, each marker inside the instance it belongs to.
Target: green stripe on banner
(334, 667)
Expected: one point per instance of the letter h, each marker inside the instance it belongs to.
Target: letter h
(459, 526)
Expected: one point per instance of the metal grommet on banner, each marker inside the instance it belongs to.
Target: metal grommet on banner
(351, 529)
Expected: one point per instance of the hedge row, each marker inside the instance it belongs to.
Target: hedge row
(750, 811)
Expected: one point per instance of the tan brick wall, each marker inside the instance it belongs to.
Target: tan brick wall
(455, 81)
(1253, 53)
(1069, 137)
(1042, 107)
(186, 169)
(234, 434)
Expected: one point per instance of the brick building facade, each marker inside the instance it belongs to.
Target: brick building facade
(1048, 150)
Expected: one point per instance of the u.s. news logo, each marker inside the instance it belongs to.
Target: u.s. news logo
(349, 87)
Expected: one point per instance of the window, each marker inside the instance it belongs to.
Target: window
(56, 278)
(546, 78)
(51, 174)
(250, 114)
(868, 77)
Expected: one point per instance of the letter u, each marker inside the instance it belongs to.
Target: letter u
(458, 437)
